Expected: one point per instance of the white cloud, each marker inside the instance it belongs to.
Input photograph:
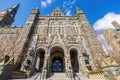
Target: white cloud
(68, 13)
(105, 22)
(49, 1)
(67, 5)
(46, 3)
(64, 3)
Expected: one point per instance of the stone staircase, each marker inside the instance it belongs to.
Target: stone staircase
(58, 76)
(36, 76)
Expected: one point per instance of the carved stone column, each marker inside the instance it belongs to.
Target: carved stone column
(68, 67)
(80, 64)
(67, 62)
(44, 70)
(37, 63)
(45, 61)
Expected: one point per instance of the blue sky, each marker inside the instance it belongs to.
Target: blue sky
(94, 9)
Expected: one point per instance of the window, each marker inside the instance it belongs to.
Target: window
(28, 62)
(6, 59)
(86, 58)
(87, 61)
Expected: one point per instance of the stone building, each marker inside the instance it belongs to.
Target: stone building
(113, 38)
(54, 47)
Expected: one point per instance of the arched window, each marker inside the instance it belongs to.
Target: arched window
(6, 59)
(86, 58)
(57, 14)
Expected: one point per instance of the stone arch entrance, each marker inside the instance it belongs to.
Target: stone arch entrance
(74, 60)
(57, 64)
(57, 61)
(40, 59)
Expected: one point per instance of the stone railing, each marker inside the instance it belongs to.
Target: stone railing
(43, 74)
(96, 75)
(69, 73)
(18, 74)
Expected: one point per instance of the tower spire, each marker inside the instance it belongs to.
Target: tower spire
(13, 10)
(8, 15)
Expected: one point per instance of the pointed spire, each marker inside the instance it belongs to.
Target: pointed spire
(8, 16)
(13, 10)
(57, 9)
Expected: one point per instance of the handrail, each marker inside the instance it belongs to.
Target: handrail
(37, 77)
(76, 75)
(9, 61)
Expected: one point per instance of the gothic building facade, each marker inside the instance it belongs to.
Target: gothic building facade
(113, 38)
(54, 47)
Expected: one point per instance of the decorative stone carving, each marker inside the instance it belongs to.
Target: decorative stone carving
(28, 61)
(109, 62)
(42, 39)
(72, 39)
(30, 52)
(57, 40)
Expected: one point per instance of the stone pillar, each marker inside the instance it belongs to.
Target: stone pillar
(80, 64)
(66, 64)
(44, 70)
(45, 61)
(49, 69)
(83, 70)
(68, 67)
(37, 63)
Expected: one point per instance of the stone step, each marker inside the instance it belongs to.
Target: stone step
(34, 77)
(58, 79)
(58, 76)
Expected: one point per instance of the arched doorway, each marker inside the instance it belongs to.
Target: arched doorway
(40, 59)
(74, 60)
(57, 62)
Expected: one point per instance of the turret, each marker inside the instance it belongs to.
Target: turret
(81, 15)
(7, 16)
(116, 24)
(79, 12)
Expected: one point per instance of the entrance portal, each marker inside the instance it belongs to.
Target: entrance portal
(57, 64)
(57, 61)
